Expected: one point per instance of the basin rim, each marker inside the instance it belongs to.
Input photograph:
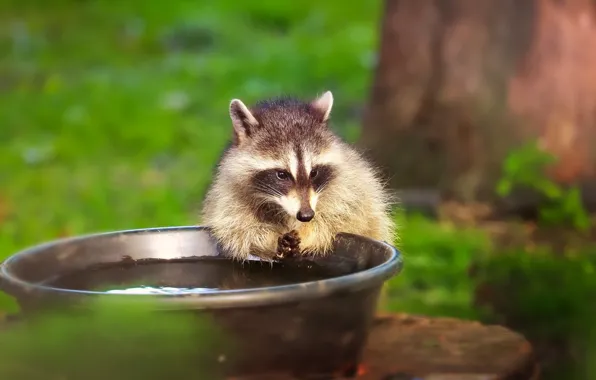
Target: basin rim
(368, 279)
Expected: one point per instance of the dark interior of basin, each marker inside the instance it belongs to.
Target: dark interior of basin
(179, 260)
(190, 275)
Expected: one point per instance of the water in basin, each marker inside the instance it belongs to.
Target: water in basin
(197, 275)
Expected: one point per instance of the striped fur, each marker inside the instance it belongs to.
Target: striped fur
(284, 164)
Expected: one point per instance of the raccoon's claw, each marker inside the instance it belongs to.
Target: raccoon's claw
(288, 244)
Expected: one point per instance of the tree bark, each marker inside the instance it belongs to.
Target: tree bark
(461, 83)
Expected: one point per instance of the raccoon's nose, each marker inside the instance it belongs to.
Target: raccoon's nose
(305, 214)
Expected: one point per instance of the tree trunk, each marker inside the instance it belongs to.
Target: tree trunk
(461, 83)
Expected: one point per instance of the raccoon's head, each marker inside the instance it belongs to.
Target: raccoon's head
(283, 155)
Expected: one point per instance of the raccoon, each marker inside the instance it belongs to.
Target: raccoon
(286, 184)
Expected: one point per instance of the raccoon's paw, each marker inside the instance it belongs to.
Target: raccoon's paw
(288, 244)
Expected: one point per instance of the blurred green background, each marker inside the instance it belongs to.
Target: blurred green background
(113, 114)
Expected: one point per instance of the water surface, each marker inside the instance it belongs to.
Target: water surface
(190, 276)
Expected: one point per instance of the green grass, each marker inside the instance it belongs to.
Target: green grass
(437, 257)
(114, 115)
(113, 343)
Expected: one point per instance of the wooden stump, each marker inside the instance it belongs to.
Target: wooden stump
(445, 349)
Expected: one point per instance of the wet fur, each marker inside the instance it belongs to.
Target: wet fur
(353, 199)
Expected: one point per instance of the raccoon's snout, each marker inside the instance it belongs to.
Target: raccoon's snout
(305, 214)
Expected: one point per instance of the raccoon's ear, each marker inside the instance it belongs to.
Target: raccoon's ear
(242, 119)
(323, 105)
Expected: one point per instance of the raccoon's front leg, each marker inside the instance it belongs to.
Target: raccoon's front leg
(316, 242)
(288, 244)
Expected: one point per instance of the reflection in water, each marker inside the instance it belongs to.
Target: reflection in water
(161, 290)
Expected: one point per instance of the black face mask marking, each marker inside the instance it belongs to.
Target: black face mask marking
(280, 182)
(272, 183)
(320, 176)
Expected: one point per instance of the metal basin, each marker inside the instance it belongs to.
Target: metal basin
(301, 327)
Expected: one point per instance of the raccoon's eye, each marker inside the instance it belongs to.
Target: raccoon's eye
(314, 173)
(282, 175)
